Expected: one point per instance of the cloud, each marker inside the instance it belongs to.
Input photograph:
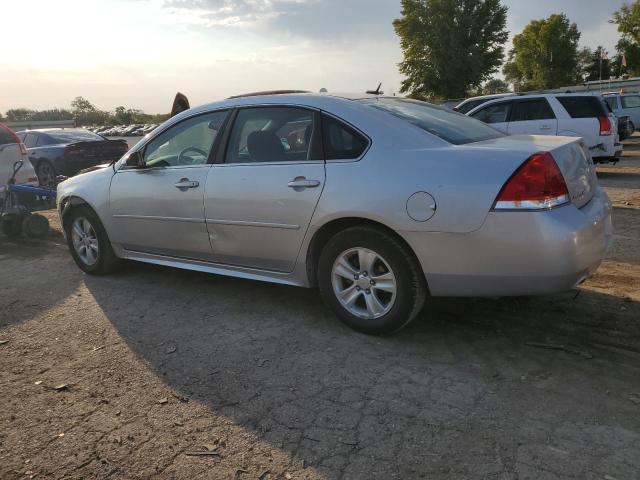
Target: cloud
(321, 20)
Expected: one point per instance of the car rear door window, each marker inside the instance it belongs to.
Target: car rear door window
(341, 142)
(528, 110)
(271, 134)
(495, 113)
(582, 107)
(631, 101)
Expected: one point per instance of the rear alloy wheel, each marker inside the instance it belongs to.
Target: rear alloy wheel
(88, 242)
(371, 280)
(363, 283)
(46, 174)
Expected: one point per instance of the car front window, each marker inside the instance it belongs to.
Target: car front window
(452, 127)
(187, 143)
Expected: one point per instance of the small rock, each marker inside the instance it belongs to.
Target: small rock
(170, 350)
(162, 401)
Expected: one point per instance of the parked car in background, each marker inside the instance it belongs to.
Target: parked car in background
(378, 201)
(625, 104)
(12, 150)
(54, 152)
(473, 102)
(566, 114)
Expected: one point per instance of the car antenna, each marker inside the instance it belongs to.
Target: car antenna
(377, 91)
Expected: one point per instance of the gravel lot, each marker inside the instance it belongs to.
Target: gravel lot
(161, 373)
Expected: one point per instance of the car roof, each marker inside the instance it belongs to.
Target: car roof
(318, 100)
(534, 96)
(489, 97)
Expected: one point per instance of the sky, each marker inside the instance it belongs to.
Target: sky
(139, 53)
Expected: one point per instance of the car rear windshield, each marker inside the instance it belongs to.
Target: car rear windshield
(583, 107)
(452, 127)
(69, 136)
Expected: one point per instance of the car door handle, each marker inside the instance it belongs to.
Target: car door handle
(301, 182)
(545, 127)
(184, 184)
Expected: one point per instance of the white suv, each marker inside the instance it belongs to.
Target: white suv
(11, 151)
(565, 114)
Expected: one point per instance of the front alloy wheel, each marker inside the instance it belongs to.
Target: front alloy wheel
(88, 242)
(85, 241)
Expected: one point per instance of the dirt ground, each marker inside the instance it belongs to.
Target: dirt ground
(155, 372)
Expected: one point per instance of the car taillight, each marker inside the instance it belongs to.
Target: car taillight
(605, 126)
(536, 184)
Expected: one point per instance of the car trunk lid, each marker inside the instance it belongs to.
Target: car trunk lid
(571, 154)
(97, 151)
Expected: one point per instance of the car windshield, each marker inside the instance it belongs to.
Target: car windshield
(452, 127)
(68, 136)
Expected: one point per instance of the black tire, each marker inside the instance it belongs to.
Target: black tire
(35, 226)
(411, 288)
(11, 225)
(106, 261)
(632, 129)
(46, 173)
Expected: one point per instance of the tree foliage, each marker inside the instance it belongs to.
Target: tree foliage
(592, 66)
(545, 54)
(628, 21)
(450, 46)
(84, 113)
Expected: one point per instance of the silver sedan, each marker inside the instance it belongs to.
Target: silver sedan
(378, 201)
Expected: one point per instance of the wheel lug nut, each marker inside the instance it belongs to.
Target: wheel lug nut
(364, 274)
(367, 291)
(356, 276)
(372, 282)
(358, 289)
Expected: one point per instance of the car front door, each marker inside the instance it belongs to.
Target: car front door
(631, 107)
(532, 117)
(495, 114)
(261, 195)
(158, 208)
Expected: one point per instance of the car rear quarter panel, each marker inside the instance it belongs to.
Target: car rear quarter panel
(464, 181)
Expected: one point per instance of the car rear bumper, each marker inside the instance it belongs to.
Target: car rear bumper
(518, 253)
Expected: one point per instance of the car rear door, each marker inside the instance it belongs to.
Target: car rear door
(159, 209)
(532, 116)
(261, 195)
(495, 114)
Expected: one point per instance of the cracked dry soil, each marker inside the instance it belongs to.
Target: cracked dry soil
(159, 373)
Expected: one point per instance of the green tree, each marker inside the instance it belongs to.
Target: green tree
(494, 86)
(450, 46)
(628, 21)
(545, 54)
(592, 64)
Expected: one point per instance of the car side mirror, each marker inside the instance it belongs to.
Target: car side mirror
(135, 160)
